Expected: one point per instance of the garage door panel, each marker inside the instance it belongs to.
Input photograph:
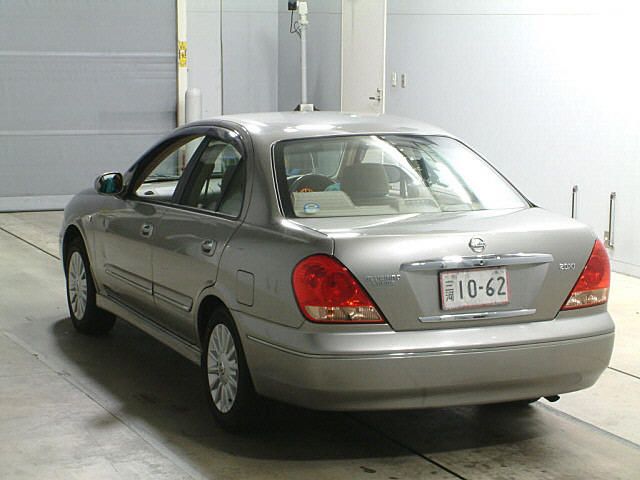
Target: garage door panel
(65, 164)
(87, 25)
(87, 92)
(85, 87)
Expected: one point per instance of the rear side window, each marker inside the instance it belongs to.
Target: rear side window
(386, 175)
(218, 179)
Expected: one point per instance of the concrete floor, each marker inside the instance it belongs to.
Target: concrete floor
(124, 406)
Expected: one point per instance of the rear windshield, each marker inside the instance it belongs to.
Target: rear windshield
(386, 175)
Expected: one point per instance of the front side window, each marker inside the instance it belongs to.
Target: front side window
(159, 180)
(387, 174)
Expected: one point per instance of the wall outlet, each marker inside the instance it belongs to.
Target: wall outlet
(403, 80)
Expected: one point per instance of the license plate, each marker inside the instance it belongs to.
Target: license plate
(474, 288)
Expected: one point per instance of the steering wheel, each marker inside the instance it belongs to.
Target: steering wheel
(311, 182)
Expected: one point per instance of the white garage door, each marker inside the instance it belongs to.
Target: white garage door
(85, 87)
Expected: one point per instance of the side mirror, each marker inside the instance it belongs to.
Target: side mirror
(109, 184)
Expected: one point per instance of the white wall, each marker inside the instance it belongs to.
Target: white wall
(250, 55)
(547, 91)
(203, 53)
(233, 54)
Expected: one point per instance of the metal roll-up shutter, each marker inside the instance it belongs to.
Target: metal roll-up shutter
(85, 87)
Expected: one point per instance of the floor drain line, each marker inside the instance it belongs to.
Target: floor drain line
(29, 243)
(560, 413)
(126, 423)
(407, 447)
(624, 373)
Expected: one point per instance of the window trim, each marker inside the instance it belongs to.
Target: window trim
(227, 133)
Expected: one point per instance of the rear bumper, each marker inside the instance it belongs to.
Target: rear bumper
(321, 372)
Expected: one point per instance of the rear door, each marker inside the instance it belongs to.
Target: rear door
(191, 237)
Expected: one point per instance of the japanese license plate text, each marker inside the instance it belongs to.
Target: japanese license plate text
(474, 288)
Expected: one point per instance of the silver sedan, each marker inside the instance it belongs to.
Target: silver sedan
(339, 262)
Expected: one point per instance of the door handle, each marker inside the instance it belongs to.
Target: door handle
(378, 96)
(146, 230)
(208, 247)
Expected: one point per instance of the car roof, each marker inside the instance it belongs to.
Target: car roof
(266, 128)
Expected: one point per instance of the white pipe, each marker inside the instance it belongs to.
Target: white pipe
(182, 76)
(192, 113)
(193, 105)
(303, 12)
(303, 64)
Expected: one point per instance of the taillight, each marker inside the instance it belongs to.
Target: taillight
(592, 288)
(327, 292)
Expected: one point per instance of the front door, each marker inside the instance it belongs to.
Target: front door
(125, 235)
(123, 251)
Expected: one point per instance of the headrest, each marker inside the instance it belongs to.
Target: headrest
(365, 180)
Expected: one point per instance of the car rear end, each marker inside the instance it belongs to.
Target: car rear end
(450, 292)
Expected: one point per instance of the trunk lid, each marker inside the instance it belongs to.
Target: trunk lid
(399, 260)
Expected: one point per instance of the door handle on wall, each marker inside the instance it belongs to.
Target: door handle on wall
(574, 202)
(208, 247)
(378, 97)
(612, 220)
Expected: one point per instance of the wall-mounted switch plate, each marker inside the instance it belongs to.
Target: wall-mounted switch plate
(394, 79)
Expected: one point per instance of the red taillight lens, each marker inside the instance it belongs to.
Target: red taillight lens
(327, 292)
(592, 288)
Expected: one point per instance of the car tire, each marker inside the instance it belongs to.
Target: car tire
(86, 316)
(226, 378)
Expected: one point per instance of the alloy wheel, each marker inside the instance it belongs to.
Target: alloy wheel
(77, 285)
(222, 368)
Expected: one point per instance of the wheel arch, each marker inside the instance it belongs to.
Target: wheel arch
(206, 307)
(71, 233)
(74, 232)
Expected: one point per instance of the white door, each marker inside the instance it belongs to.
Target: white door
(363, 55)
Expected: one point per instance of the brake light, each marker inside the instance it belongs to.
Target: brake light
(327, 292)
(592, 288)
